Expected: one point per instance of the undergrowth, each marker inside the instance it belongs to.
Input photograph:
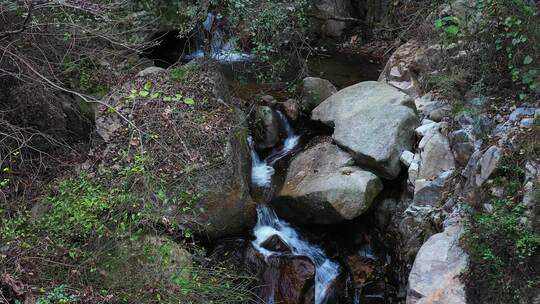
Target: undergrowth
(494, 40)
(122, 230)
(103, 239)
(504, 243)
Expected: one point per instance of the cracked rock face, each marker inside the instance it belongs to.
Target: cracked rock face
(374, 122)
(434, 277)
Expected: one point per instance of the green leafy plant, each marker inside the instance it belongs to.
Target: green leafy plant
(449, 28)
(180, 73)
(57, 296)
(148, 91)
(515, 26)
(274, 31)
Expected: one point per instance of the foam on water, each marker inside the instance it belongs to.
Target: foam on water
(261, 172)
(290, 143)
(268, 224)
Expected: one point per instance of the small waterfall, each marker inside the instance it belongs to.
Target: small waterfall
(224, 51)
(261, 172)
(290, 143)
(268, 223)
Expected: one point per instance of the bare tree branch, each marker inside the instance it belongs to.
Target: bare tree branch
(24, 24)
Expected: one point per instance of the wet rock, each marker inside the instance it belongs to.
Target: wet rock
(385, 210)
(322, 186)
(276, 244)
(314, 91)
(229, 208)
(414, 227)
(336, 290)
(373, 121)
(434, 277)
(436, 156)
(360, 269)
(288, 279)
(269, 100)
(241, 254)
(309, 296)
(291, 108)
(265, 127)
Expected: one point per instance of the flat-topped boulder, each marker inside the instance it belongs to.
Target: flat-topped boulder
(323, 186)
(374, 122)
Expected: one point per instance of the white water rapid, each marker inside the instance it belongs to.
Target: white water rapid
(262, 170)
(268, 223)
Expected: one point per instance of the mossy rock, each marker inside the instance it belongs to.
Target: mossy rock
(154, 261)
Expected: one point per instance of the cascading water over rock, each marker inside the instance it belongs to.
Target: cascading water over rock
(222, 50)
(262, 170)
(290, 143)
(268, 223)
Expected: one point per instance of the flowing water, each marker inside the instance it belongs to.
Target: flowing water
(221, 49)
(290, 143)
(269, 224)
(262, 170)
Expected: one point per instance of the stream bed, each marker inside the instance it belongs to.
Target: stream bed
(269, 224)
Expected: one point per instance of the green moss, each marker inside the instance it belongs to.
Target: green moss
(180, 73)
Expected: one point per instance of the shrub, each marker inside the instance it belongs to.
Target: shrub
(275, 31)
(513, 28)
(504, 245)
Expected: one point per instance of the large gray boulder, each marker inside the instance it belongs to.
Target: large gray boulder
(323, 186)
(434, 277)
(314, 91)
(372, 120)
